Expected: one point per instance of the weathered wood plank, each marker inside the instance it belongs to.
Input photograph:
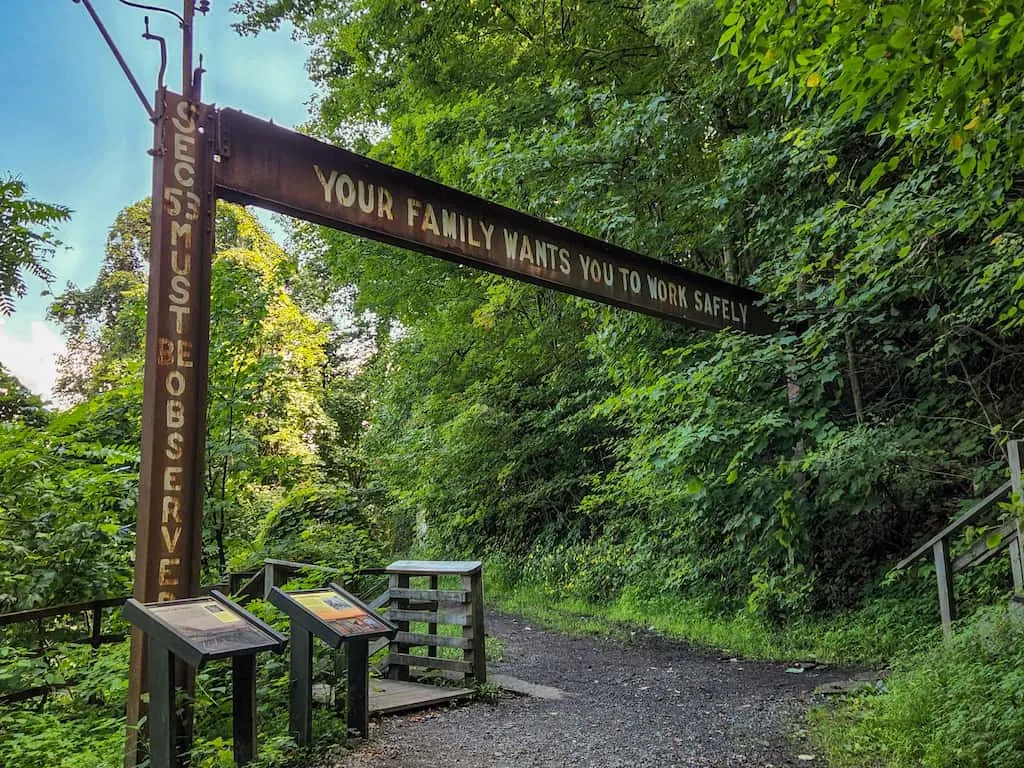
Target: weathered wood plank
(380, 600)
(294, 566)
(399, 581)
(389, 696)
(445, 641)
(433, 595)
(35, 614)
(957, 524)
(411, 660)
(435, 582)
(980, 552)
(432, 567)
(944, 577)
(477, 655)
(441, 617)
(1013, 451)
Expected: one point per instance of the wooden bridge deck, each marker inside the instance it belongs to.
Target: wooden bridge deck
(391, 696)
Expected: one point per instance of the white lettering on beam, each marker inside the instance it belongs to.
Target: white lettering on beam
(371, 199)
(174, 350)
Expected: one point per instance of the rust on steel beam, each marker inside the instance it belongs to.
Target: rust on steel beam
(270, 166)
(168, 544)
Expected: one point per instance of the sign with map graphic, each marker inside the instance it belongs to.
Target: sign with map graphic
(332, 614)
(203, 628)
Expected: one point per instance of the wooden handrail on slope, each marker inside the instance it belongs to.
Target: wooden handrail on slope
(953, 528)
(1009, 534)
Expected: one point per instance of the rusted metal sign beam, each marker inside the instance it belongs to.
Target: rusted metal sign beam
(169, 541)
(266, 165)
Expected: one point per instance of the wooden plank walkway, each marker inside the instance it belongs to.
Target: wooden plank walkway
(389, 696)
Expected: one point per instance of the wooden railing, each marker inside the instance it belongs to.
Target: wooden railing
(1007, 536)
(462, 607)
(427, 604)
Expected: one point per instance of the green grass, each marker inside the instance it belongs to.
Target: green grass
(958, 704)
(871, 636)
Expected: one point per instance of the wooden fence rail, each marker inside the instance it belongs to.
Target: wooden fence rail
(1006, 537)
(243, 586)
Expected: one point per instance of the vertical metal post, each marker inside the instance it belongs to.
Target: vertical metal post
(300, 684)
(162, 717)
(243, 698)
(188, 15)
(168, 543)
(357, 651)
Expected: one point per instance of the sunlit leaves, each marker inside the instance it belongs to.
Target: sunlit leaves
(27, 240)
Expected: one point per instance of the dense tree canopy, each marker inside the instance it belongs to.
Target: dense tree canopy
(798, 151)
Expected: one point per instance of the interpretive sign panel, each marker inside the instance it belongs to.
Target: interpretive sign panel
(332, 614)
(203, 628)
(266, 165)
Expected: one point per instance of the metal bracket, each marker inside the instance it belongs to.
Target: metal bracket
(147, 35)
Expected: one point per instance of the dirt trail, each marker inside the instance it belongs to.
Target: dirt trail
(648, 702)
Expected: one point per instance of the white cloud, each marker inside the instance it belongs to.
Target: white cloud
(31, 355)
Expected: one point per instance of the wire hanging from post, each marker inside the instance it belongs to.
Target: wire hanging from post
(120, 59)
(155, 8)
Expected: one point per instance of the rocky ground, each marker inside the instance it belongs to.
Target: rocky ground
(645, 701)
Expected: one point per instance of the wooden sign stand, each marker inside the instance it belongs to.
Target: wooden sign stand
(336, 617)
(196, 631)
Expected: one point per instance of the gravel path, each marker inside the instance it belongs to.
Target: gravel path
(644, 703)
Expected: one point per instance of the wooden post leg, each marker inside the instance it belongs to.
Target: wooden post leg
(268, 579)
(359, 686)
(97, 626)
(400, 671)
(944, 575)
(300, 684)
(1017, 564)
(474, 630)
(340, 669)
(1013, 451)
(243, 699)
(162, 717)
(432, 627)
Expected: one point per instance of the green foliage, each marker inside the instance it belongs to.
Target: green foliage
(77, 727)
(26, 240)
(323, 525)
(17, 403)
(66, 502)
(778, 475)
(957, 704)
(886, 626)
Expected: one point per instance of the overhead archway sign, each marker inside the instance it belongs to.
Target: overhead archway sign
(269, 166)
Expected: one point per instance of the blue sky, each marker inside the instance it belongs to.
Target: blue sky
(77, 135)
